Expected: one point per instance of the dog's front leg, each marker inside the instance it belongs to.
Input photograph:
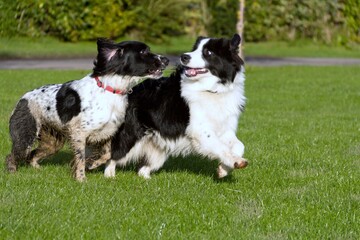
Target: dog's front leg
(78, 145)
(227, 149)
(208, 143)
(237, 151)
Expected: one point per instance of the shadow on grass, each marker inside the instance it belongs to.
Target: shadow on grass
(60, 158)
(191, 164)
(197, 165)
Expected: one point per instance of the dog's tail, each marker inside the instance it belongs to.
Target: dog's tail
(23, 130)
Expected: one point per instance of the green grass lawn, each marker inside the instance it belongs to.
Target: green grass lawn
(18, 47)
(301, 129)
(300, 49)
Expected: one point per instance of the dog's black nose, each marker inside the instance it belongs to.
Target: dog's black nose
(185, 59)
(164, 60)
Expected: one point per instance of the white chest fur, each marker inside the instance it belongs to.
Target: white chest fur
(217, 108)
(102, 112)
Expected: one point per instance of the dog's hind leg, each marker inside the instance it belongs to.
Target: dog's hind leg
(99, 156)
(50, 142)
(154, 159)
(23, 132)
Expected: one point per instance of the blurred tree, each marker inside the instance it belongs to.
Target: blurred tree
(320, 21)
(75, 20)
(240, 24)
(351, 12)
(223, 17)
(328, 21)
(240, 18)
(156, 20)
(196, 17)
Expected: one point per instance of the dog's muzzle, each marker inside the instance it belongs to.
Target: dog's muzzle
(164, 62)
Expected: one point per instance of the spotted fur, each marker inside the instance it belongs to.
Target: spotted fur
(80, 111)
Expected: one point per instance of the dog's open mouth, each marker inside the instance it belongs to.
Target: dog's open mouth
(192, 72)
(156, 72)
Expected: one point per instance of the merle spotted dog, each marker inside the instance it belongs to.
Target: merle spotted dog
(85, 111)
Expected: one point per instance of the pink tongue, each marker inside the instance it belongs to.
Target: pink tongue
(191, 72)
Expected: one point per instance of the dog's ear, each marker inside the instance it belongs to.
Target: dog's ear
(108, 48)
(235, 42)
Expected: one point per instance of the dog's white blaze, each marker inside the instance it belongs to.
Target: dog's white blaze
(197, 61)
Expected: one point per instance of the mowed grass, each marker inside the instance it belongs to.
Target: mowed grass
(301, 129)
(300, 48)
(46, 47)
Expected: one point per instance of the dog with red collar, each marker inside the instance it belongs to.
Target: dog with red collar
(85, 111)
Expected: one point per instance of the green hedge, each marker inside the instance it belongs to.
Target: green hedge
(223, 17)
(351, 12)
(89, 19)
(329, 21)
(291, 19)
(8, 22)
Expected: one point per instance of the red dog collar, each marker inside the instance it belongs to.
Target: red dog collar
(108, 88)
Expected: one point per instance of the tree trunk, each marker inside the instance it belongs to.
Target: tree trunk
(240, 24)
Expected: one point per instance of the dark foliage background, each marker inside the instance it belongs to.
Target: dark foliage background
(326, 21)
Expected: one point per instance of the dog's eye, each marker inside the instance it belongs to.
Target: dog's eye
(207, 52)
(144, 51)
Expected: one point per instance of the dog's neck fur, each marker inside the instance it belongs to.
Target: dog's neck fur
(220, 104)
(118, 82)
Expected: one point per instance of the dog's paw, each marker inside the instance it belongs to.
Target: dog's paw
(109, 172)
(241, 163)
(80, 178)
(223, 171)
(79, 175)
(144, 172)
(11, 164)
(35, 165)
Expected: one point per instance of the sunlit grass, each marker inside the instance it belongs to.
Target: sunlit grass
(46, 47)
(300, 49)
(301, 130)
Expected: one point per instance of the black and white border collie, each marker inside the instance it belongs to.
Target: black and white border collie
(89, 110)
(195, 110)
